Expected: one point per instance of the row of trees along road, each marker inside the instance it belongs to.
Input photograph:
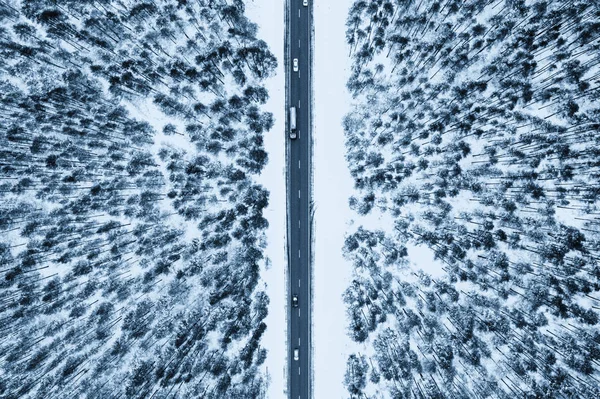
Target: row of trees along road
(131, 225)
(474, 135)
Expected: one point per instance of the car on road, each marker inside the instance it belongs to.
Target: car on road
(295, 64)
(295, 301)
(305, 3)
(296, 354)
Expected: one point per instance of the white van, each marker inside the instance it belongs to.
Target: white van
(293, 123)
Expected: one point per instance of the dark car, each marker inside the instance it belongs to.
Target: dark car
(295, 301)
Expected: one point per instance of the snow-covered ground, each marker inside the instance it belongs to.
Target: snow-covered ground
(269, 16)
(332, 188)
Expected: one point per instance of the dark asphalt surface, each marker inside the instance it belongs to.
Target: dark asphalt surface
(299, 199)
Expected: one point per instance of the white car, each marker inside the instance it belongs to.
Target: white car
(305, 3)
(296, 354)
(295, 64)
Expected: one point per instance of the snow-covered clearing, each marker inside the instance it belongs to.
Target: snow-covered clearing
(332, 188)
(269, 16)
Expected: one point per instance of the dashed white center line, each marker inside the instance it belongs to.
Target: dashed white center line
(298, 312)
(298, 283)
(298, 13)
(298, 43)
(298, 253)
(298, 224)
(298, 193)
(298, 103)
(298, 164)
(298, 341)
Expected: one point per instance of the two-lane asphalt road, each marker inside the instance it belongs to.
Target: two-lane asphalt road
(299, 194)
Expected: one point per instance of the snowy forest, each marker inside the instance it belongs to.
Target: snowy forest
(131, 223)
(474, 141)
